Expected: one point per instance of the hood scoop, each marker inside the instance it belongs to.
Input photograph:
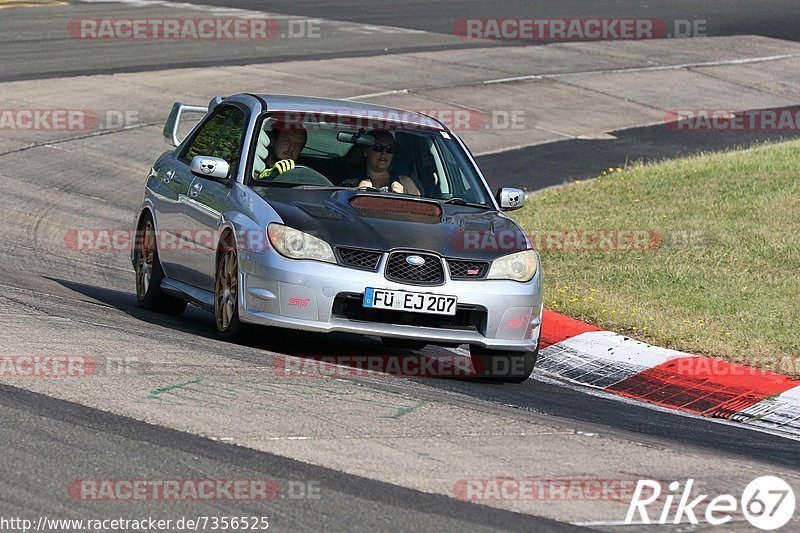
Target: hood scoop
(402, 209)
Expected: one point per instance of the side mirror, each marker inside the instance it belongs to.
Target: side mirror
(210, 167)
(510, 198)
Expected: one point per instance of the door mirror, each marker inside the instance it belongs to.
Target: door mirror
(510, 198)
(210, 167)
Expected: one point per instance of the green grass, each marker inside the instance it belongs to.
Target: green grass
(724, 280)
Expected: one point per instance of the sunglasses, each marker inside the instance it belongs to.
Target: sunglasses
(388, 148)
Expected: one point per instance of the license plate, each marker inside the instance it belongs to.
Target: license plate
(415, 302)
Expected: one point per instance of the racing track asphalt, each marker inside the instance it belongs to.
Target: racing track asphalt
(541, 395)
(778, 18)
(47, 441)
(544, 165)
(362, 29)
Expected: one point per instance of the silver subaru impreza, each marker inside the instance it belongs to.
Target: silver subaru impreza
(334, 216)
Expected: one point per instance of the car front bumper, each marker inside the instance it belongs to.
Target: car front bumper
(323, 297)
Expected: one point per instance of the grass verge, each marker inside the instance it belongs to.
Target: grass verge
(699, 254)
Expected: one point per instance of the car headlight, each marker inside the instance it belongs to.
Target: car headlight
(519, 266)
(296, 244)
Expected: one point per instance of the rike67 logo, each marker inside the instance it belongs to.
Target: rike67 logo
(767, 503)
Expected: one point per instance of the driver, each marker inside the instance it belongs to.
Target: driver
(287, 143)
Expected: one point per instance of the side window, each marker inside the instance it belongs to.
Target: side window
(230, 141)
(220, 136)
(206, 138)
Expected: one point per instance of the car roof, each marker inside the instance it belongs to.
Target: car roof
(309, 104)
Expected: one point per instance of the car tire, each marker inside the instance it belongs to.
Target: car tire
(226, 295)
(501, 366)
(149, 274)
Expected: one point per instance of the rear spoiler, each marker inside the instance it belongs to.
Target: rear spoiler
(174, 119)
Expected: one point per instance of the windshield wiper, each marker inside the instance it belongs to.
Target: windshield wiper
(460, 201)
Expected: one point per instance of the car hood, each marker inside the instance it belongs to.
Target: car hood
(384, 222)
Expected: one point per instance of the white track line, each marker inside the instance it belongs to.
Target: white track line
(720, 63)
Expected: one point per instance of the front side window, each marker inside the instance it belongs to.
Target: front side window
(230, 141)
(220, 136)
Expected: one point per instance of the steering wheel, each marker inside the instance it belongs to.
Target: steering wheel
(302, 175)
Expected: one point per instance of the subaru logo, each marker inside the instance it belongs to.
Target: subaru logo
(415, 260)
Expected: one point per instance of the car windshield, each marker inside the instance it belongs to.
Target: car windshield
(340, 153)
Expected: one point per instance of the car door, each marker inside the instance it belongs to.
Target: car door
(171, 179)
(208, 198)
(174, 232)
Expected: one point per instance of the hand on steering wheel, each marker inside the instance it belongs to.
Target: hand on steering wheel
(395, 186)
(284, 165)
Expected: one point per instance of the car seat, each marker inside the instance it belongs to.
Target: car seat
(262, 149)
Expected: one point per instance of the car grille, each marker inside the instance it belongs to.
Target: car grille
(461, 269)
(428, 273)
(467, 317)
(361, 259)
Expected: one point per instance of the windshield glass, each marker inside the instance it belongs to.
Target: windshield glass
(393, 157)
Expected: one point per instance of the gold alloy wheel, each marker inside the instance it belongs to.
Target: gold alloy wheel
(144, 259)
(226, 288)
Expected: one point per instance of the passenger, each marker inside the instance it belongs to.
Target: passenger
(379, 159)
(286, 144)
